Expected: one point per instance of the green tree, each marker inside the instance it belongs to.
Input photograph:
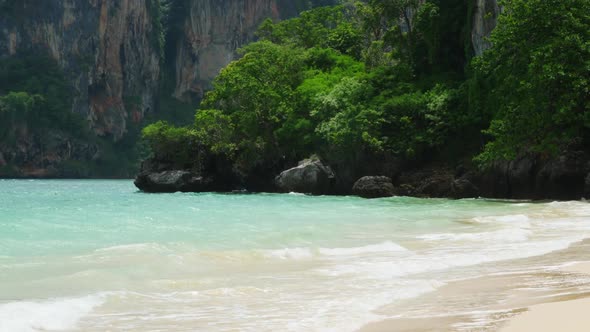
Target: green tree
(322, 27)
(538, 77)
(258, 93)
(178, 144)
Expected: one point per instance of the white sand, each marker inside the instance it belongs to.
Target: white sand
(567, 316)
(583, 267)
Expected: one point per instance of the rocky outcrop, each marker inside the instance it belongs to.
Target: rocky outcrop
(485, 18)
(206, 173)
(464, 188)
(566, 177)
(534, 177)
(172, 181)
(105, 47)
(430, 181)
(374, 187)
(311, 176)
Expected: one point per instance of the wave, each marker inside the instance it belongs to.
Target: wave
(386, 246)
(447, 258)
(135, 247)
(505, 235)
(290, 253)
(50, 315)
(306, 253)
(517, 220)
(572, 208)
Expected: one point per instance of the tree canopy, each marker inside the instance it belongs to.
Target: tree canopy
(382, 78)
(537, 76)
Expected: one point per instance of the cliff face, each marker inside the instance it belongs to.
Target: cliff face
(105, 48)
(213, 31)
(110, 54)
(484, 21)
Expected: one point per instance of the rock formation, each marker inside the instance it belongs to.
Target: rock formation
(172, 181)
(311, 176)
(105, 47)
(111, 54)
(485, 19)
(374, 187)
(213, 31)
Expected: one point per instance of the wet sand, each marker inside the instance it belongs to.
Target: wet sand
(571, 316)
(546, 293)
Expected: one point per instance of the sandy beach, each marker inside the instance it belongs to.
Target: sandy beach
(556, 299)
(570, 316)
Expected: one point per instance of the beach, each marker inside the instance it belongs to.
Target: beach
(569, 315)
(554, 299)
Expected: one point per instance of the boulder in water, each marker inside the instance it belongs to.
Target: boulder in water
(311, 176)
(171, 181)
(374, 187)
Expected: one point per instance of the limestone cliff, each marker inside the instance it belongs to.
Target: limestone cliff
(212, 32)
(485, 19)
(105, 48)
(110, 53)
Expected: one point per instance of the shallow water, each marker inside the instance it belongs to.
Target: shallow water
(98, 255)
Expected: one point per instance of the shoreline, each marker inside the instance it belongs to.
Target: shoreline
(449, 197)
(568, 315)
(554, 296)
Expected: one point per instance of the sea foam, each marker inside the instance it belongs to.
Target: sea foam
(50, 315)
(306, 253)
(504, 235)
(518, 220)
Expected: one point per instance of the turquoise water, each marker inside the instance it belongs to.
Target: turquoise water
(98, 255)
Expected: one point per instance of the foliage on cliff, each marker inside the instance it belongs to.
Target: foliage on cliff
(536, 77)
(36, 113)
(335, 82)
(392, 78)
(35, 93)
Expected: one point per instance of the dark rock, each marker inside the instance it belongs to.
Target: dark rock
(587, 187)
(154, 165)
(172, 181)
(535, 177)
(509, 179)
(435, 186)
(464, 188)
(406, 190)
(310, 177)
(564, 177)
(374, 187)
(432, 181)
(521, 177)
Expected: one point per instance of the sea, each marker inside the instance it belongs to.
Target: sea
(98, 255)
